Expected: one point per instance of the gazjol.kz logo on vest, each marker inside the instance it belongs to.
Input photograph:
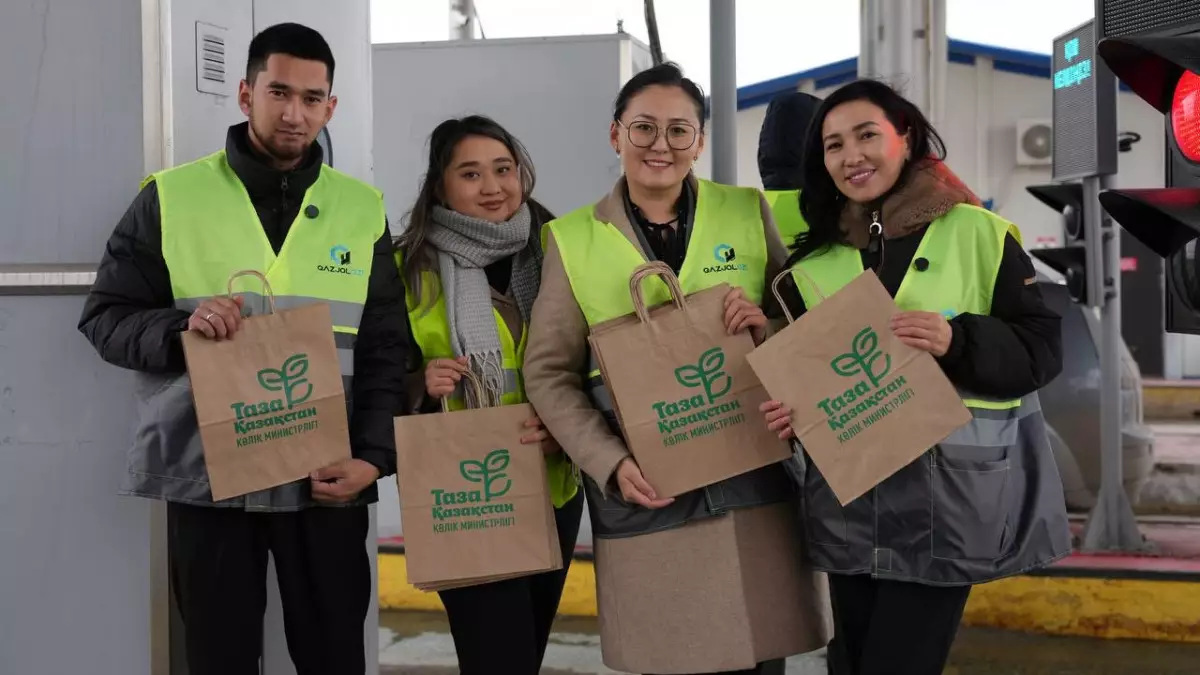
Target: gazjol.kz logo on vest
(725, 256)
(699, 414)
(284, 415)
(465, 509)
(339, 262)
(873, 396)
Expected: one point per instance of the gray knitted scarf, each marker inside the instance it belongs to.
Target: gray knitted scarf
(465, 246)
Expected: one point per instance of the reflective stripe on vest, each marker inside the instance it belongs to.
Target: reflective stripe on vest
(210, 230)
(431, 331)
(964, 249)
(785, 207)
(727, 245)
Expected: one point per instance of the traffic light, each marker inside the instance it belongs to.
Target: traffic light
(1163, 68)
(1071, 260)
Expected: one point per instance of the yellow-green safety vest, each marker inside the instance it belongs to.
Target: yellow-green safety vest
(785, 206)
(431, 331)
(727, 244)
(210, 230)
(984, 503)
(964, 249)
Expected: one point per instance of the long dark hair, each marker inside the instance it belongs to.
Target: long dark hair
(821, 202)
(445, 138)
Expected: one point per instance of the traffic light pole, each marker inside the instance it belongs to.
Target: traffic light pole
(1111, 525)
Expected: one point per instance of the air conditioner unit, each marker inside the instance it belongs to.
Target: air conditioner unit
(1034, 142)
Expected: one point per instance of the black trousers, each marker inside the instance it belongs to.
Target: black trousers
(503, 627)
(218, 561)
(892, 627)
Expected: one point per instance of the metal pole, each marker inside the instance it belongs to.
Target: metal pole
(1111, 525)
(868, 39)
(462, 19)
(723, 51)
(937, 53)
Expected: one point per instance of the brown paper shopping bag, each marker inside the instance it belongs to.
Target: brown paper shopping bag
(474, 501)
(686, 399)
(269, 401)
(864, 405)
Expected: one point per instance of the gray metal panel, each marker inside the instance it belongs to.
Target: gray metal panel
(70, 126)
(197, 121)
(75, 559)
(555, 95)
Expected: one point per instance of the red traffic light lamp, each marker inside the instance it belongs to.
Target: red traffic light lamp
(1163, 71)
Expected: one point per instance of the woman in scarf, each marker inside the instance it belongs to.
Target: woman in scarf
(471, 261)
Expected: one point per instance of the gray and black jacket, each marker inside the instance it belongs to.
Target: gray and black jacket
(130, 318)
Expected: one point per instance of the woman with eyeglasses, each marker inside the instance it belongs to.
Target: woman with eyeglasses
(682, 583)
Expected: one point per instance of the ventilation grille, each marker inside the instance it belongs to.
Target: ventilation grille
(211, 75)
(1127, 17)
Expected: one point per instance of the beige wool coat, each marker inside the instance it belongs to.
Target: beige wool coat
(723, 593)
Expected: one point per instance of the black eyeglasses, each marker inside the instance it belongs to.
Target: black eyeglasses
(643, 134)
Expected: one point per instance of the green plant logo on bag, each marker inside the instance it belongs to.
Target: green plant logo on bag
(869, 394)
(704, 412)
(282, 416)
(471, 508)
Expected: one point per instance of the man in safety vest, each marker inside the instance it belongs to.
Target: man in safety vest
(266, 201)
(781, 150)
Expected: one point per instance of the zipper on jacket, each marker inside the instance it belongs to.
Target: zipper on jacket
(875, 243)
(283, 187)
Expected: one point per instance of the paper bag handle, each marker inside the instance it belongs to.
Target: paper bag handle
(652, 269)
(261, 277)
(779, 296)
(471, 379)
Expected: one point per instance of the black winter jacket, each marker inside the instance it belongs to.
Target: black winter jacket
(130, 317)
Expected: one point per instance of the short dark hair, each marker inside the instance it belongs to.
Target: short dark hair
(291, 39)
(664, 75)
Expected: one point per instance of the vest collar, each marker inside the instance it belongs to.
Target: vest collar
(263, 181)
(611, 209)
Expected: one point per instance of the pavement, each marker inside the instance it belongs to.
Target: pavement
(418, 643)
(1174, 485)
(1176, 444)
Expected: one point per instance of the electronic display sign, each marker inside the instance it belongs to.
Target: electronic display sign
(1085, 108)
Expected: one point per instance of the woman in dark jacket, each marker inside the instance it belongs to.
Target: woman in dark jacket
(985, 503)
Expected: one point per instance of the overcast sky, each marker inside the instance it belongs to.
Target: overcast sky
(775, 37)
